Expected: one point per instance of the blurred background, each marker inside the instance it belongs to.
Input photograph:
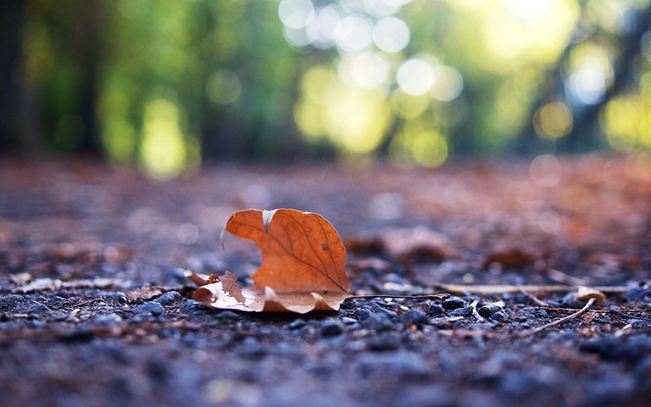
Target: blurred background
(168, 84)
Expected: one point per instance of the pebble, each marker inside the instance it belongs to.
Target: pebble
(378, 323)
(488, 310)
(195, 308)
(416, 317)
(169, 297)
(150, 307)
(461, 312)
(332, 327)
(453, 303)
(498, 317)
(348, 321)
(297, 324)
(435, 310)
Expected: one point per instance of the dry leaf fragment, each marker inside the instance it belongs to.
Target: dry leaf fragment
(586, 293)
(231, 288)
(303, 264)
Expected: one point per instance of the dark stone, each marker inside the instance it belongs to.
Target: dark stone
(169, 297)
(571, 303)
(196, 309)
(362, 313)
(297, 324)
(487, 310)
(453, 303)
(152, 308)
(462, 312)
(414, 316)
(435, 310)
(332, 327)
(498, 317)
(378, 323)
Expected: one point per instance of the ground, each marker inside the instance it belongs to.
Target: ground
(96, 309)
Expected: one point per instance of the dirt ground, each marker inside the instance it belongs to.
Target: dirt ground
(95, 307)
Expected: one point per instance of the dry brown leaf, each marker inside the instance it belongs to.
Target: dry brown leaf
(303, 264)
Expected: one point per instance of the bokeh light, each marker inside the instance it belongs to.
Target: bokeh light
(391, 34)
(163, 150)
(553, 120)
(416, 76)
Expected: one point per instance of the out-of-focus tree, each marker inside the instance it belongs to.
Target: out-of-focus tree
(169, 83)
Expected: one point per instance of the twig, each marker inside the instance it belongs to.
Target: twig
(560, 321)
(443, 296)
(534, 298)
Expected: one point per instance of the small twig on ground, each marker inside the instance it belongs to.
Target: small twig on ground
(560, 321)
(512, 289)
(443, 296)
(535, 299)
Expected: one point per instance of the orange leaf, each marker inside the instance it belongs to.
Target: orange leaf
(303, 263)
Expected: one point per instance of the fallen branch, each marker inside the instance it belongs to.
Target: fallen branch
(560, 321)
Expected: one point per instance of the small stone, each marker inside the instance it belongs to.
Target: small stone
(194, 308)
(297, 324)
(378, 323)
(462, 312)
(498, 317)
(488, 310)
(453, 303)
(416, 317)
(348, 321)
(435, 310)
(169, 298)
(331, 327)
(571, 303)
(362, 313)
(150, 307)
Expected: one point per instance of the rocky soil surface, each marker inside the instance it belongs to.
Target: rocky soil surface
(96, 310)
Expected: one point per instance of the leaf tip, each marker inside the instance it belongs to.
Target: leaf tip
(267, 216)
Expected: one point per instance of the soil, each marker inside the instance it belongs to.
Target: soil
(95, 308)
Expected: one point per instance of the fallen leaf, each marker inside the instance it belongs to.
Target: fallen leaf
(303, 264)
